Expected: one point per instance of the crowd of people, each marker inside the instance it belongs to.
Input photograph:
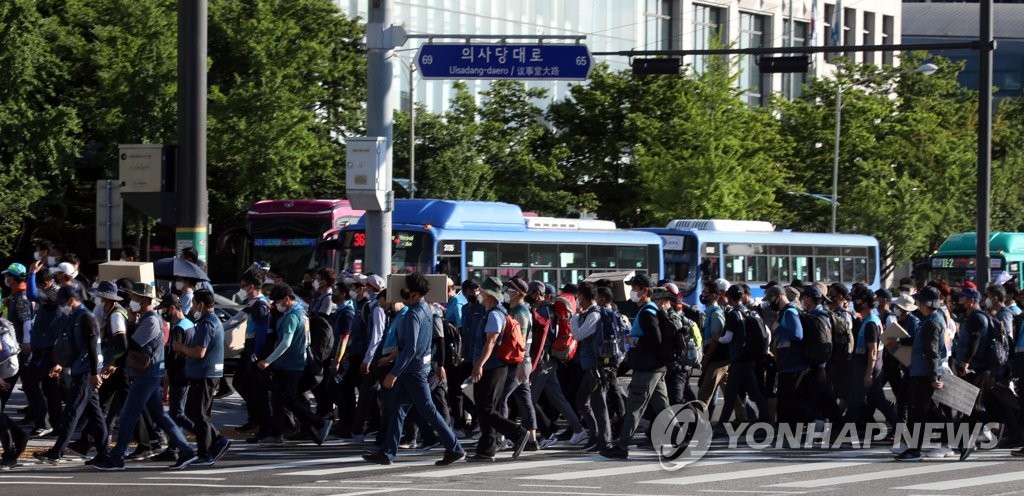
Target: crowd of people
(503, 362)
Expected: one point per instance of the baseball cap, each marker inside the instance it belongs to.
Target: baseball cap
(65, 293)
(640, 280)
(969, 293)
(664, 294)
(929, 296)
(376, 282)
(537, 287)
(549, 289)
(66, 268)
(773, 292)
(15, 270)
(719, 285)
(812, 292)
(168, 301)
(518, 284)
(281, 291)
(883, 294)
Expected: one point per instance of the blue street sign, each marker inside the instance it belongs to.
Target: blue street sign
(503, 61)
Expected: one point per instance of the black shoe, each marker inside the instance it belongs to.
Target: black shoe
(221, 448)
(167, 455)
(379, 458)
(107, 465)
(589, 447)
(321, 434)
(615, 452)
(910, 455)
(81, 447)
(184, 460)
(450, 457)
(477, 457)
(20, 442)
(46, 457)
(520, 445)
(9, 464)
(532, 446)
(248, 426)
(565, 435)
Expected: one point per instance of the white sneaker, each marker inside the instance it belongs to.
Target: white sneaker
(580, 437)
(896, 450)
(940, 452)
(986, 435)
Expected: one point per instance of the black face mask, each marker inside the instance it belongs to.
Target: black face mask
(404, 294)
(706, 299)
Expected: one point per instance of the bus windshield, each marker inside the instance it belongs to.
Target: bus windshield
(287, 243)
(411, 251)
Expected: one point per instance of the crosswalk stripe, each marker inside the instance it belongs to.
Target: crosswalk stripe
(484, 468)
(363, 467)
(970, 482)
(651, 466)
(272, 466)
(932, 468)
(760, 472)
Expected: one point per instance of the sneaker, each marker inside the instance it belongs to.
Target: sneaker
(184, 460)
(477, 457)
(46, 457)
(580, 437)
(321, 434)
(80, 447)
(450, 457)
(615, 452)
(986, 435)
(9, 464)
(140, 455)
(167, 455)
(595, 448)
(940, 452)
(272, 441)
(41, 431)
(548, 443)
(108, 465)
(532, 445)
(910, 455)
(203, 462)
(221, 448)
(407, 444)
(520, 445)
(899, 449)
(429, 446)
(565, 435)
(379, 458)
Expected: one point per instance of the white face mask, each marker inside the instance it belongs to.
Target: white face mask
(353, 294)
(179, 285)
(987, 303)
(241, 294)
(37, 255)
(634, 296)
(479, 298)
(98, 301)
(316, 285)
(135, 306)
(506, 298)
(65, 309)
(51, 261)
(899, 312)
(281, 308)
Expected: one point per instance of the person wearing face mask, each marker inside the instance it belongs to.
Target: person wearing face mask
(789, 335)
(46, 253)
(113, 321)
(470, 312)
(593, 411)
(146, 392)
(184, 288)
(323, 292)
(259, 340)
(204, 366)
(42, 392)
(741, 364)
(1001, 321)
(287, 362)
(84, 369)
(19, 312)
(716, 358)
(182, 330)
(343, 391)
(647, 385)
(374, 323)
(970, 358)
(865, 366)
(517, 384)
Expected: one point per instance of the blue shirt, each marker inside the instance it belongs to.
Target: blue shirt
(209, 334)
(789, 337)
(414, 339)
(492, 323)
(391, 335)
(453, 310)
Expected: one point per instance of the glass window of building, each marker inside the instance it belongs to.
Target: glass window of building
(707, 32)
(793, 83)
(887, 38)
(868, 34)
(752, 35)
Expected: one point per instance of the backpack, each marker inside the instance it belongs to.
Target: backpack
(452, 341)
(612, 347)
(321, 337)
(842, 337)
(670, 329)
(688, 352)
(998, 350)
(65, 351)
(564, 345)
(9, 349)
(817, 343)
(512, 346)
(758, 337)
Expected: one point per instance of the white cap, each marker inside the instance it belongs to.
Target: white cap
(66, 268)
(376, 282)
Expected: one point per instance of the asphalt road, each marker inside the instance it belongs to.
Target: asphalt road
(302, 468)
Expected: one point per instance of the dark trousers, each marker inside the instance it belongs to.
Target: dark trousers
(343, 390)
(857, 394)
(789, 401)
(921, 392)
(286, 397)
(677, 381)
(10, 435)
(591, 402)
(200, 412)
(742, 380)
(412, 390)
(83, 401)
(41, 391)
(368, 402)
(486, 393)
(417, 425)
(458, 403)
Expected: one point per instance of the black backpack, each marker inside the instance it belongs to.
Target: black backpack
(758, 337)
(65, 350)
(817, 343)
(613, 349)
(452, 341)
(321, 338)
(684, 346)
(670, 328)
(998, 351)
(842, 337)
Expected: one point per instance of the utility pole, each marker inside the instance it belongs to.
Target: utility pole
(412, 130)
(193, 213)
(380, 104)
(987, 41)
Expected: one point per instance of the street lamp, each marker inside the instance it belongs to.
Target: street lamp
(925, 69)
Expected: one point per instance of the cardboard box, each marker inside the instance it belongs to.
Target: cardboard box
(136, 271)
(620, 290)
(438, 287)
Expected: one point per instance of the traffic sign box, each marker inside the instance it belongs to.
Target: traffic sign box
(504, 61)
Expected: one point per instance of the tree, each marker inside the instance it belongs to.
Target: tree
(39, 131)
(1008, 166)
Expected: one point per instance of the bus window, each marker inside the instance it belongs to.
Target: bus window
(709, 268)
(513, 255)
(601, 257)
(802, 268)
(632, 257)
(572, 256)
(543, 255)
(481, 255)
(734, 268)
(778, 268)
(545, 276)
(573, 276)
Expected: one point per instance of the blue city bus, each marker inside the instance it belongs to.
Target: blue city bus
(756, 253)
(478, 239)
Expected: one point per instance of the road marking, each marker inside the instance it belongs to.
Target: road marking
(371, 491)
(970, 482)
(362, 467)
(740, 491)
(559, 487)
(185, 478)
(272, 466)
(759, 472)
(8, 476)
(486, 468)
(887, 474)
(630, 469)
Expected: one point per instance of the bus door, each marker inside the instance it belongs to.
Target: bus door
(449, 260)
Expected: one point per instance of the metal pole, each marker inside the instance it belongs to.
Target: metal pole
(835, 154)
(412, 130)
(110, 217)
(380, 103)
(191, 163)
(791, 77)
(984, 141)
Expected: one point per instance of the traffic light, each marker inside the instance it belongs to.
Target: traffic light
(656, 66)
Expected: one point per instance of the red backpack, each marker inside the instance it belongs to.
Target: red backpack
(564, 345)
(512, 348)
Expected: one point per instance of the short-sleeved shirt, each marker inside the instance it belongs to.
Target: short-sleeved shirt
(209, 334)
(493, 323)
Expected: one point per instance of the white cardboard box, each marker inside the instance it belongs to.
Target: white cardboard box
(136, 271)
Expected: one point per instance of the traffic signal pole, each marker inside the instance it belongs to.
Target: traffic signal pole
(193, 209)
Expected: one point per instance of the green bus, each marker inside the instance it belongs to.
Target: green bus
(955, 259)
